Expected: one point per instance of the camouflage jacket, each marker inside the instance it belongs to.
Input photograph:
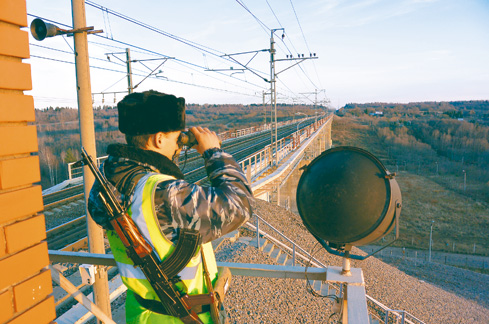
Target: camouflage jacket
(213, 211)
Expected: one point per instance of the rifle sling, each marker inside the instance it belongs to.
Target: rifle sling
(157, 307)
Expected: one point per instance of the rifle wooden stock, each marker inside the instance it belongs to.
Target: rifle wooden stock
(197, 300)
(130, 235)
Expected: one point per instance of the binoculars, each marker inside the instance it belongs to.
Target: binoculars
(186, 138)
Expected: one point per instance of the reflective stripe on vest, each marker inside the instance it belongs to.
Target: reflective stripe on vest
(143, 213)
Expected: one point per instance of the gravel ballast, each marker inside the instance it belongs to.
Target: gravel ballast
(443, 294)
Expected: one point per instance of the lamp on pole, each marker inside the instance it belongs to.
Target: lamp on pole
(431, 240)
(465, 179)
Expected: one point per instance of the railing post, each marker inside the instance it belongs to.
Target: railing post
(69, 171)
(255, 165)
(293, 255)
(258, 232)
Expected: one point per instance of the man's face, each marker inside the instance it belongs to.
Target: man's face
(173, 139)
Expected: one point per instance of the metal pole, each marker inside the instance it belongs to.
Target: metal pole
(130, 87)
(85, 111)
(316, 98)
(273, 89)
(431, 241)
(258, 233)
(465, 180)
(265, 110)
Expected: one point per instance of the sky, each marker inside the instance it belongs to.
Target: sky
(366, 50)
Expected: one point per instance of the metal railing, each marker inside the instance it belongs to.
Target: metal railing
(74, 172)
(255, 164)
(306, 258)
(389, 315)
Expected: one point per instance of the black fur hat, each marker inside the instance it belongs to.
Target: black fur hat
(150, 112)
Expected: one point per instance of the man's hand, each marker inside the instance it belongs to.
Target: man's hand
(206, 139)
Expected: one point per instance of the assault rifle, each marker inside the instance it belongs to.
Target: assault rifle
(143, 256)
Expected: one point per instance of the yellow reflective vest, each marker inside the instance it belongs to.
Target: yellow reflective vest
(142, 211)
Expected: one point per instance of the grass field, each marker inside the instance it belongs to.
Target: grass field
(461, 223)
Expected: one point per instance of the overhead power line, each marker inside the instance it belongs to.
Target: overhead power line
(262, 24)
(157, 30)
(305, 41)
(147, 51)
(156, 78)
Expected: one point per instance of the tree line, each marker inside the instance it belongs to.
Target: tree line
(424, 138)
(59, 136)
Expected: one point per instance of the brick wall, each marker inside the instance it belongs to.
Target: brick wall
(25, 282)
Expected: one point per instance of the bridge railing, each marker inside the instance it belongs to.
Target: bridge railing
(257, 163)
(75, 172)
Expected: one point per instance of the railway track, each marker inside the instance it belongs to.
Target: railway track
(72, 235)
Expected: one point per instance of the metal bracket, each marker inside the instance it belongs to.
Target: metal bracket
(347, 254)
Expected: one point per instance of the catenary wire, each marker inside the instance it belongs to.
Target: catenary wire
(162, 55)
(261, 23)
(151, 52)
(169, 80)
(304, 36)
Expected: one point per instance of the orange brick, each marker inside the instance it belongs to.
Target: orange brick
(17, 267)
(18, 172)
(6, 305)
(18, 139)
(26, 233)
(3, 244)
(18, 203)
(16, 108)
(14, 12)
(42, 313)
(32, 291)
(13, 41)
(15, 75)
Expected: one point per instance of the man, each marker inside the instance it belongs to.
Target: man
(161, 203)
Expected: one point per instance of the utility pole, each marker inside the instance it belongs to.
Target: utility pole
(129, 71)
(273, 90)
(273, 77)
(431, 241)
(315, 93)
(85, 111)
(128, 61)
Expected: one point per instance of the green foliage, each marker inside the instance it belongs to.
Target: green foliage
(70, 156)
(454, 114)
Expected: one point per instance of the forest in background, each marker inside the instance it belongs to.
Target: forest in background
(440, 153)
(447, 139)
(59, 136)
